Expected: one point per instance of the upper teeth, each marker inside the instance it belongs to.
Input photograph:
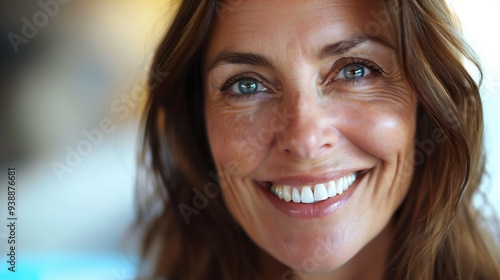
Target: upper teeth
(313, 193)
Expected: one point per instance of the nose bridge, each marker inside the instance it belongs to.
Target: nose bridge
(305, 135)
(300, 89)
(303, 103)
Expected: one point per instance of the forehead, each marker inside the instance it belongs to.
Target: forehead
(278, 25)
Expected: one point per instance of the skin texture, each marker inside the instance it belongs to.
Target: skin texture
(312, 120)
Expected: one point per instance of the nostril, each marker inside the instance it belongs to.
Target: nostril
(306, 137)
(307, 148)
(326, 146)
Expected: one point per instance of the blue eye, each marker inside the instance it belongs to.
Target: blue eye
(248, 86)
(353, 71)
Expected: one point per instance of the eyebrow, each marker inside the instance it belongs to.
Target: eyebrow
(240, 58)
(344, 46)
(330, 50)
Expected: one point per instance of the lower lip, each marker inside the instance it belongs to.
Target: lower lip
(313, 210)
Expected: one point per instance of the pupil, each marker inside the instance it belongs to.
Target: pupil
(354, 71)
(248, 86)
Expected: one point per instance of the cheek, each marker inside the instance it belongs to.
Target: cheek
(383, 128)
(388, 134)
(239, 139)
(387, 128)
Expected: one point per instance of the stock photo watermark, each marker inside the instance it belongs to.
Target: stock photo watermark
(31, 26)
(121, 108)
(11, 220)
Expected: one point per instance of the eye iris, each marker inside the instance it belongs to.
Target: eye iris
(354, 71)
(247, 86)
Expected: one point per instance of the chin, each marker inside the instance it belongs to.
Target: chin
(312, 252)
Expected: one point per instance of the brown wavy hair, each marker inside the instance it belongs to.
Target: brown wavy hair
(440, 234)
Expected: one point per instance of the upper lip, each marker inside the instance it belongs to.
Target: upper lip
(306, 179)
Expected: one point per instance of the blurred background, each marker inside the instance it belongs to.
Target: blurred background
(71, 88)
(71, 93)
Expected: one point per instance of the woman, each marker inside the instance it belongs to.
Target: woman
(314, 140)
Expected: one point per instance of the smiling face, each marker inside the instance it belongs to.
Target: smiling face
(311, 125)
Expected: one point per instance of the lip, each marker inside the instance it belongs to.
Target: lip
(314, 210)
(304, 180)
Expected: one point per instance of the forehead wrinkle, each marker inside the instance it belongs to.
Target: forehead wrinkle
(244, 19)
(300, 6)
(247, 33)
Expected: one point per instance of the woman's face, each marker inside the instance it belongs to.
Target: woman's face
(311, 125)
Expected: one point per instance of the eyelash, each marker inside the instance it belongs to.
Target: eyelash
(336, 70)
(235, 79)
(353, 61)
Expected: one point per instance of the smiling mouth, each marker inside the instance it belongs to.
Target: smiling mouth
(314, 193)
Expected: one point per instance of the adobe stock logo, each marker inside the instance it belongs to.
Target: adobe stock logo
(30, 28)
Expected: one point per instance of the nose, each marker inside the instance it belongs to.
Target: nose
(307, 134)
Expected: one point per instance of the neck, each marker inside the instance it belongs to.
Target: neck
(368, 264)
